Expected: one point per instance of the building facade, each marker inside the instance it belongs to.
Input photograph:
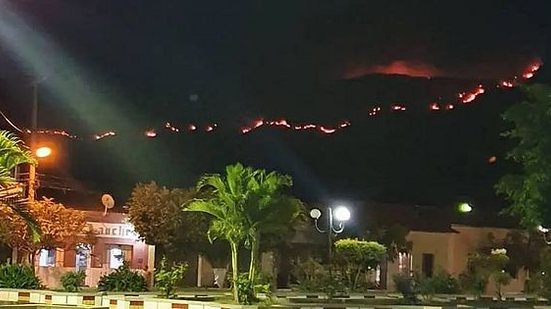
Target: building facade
(448, 251)
(116, 242)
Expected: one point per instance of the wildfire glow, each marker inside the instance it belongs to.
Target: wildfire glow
(395, 68)
(398, 107)
(172, 128)
(104, 135)
(55, 132)
(468, 97)
(296, 127)
(150, 133)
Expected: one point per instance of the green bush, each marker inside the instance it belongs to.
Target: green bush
(166, 278)
(543, 278)
(309, 275)
(444, 283)
(245, 289)
(123, 280)
(73, 281)
(333, 285)
(483, 267)
(17, 276)
(407, 286)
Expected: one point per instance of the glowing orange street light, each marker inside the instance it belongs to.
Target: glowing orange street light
(43, 152)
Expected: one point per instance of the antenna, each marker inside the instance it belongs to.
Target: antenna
(108, 202)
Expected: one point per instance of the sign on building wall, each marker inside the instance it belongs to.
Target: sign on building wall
(114, 230)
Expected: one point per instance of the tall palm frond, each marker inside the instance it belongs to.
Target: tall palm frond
(12, 153)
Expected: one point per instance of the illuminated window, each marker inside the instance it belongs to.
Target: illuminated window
(118, 254)
(403, 262)
(47, 258)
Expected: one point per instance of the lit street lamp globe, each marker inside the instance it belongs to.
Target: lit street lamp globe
(315, 213)
(342, 214)
(43, 152)
(464, 208)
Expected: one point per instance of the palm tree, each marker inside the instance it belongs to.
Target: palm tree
(270, 212)
(226, 205)
(12, 153)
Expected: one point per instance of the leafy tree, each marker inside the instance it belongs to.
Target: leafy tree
(60, 227)
(483, 267)
(393, 238)
(357, 256)
(156, 215)
(13, 153)
(529, 189)
(271, 214)
(523, 249)
(245, 204)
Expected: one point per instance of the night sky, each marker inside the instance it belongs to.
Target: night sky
(130, 65)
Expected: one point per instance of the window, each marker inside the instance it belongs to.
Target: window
(428, 264)
(116, 255)
(47, 258)
(403, 262)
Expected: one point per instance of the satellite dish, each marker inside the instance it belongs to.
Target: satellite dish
(108, 202)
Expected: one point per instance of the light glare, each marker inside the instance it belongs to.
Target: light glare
(43, 152)
(342, 213)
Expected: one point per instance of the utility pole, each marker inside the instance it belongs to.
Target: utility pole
(34, 125)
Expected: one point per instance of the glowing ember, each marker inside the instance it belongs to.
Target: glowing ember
(211, 127)
(468, 97)
(55, 132)
(171, 127)
(398, 107)
(434, 107)
(192, 127)
(531, 70)
(506, 84)
(450, 107)
(104, 135)
(327, 131)
(150, 133)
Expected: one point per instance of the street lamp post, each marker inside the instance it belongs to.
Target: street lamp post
(339, 216)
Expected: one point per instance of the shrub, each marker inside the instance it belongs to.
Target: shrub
(444, 283)
(16, 276)
(166, 277)
(483, 267)
(333, 285)
(406, 285)
(123, 280)
(245, 289)
(473, 282)
(309, 275)
(72, 281)
(543, 278)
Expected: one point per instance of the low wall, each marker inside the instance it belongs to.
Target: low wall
(107, 301)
